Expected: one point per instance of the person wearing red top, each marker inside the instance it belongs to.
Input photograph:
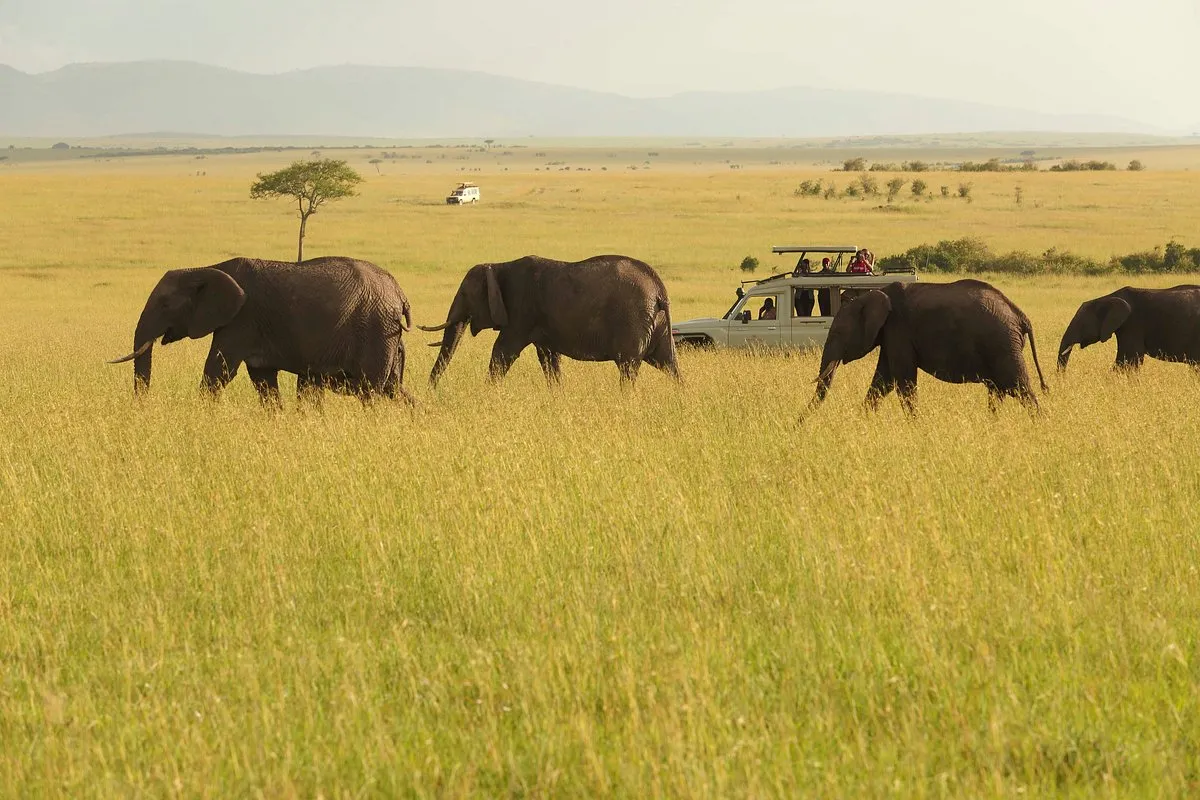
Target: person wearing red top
(859, 265)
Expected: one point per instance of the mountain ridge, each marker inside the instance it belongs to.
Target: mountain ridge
(112, 98)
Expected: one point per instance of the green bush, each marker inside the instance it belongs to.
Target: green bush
(893, 188)
(854, 164)
(1136, 166)
(914, 166)
(918, 187)
(808, 189)
(882, 167)
(991, 165)
(973, 256)
(749, 264)
(1074, 165)
(869, 185)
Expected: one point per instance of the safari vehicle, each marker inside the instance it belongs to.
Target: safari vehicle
(463, 193)
(805, 303)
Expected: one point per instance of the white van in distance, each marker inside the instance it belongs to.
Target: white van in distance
(463, 193)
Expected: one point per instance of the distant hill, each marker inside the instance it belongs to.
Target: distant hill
(411, 102)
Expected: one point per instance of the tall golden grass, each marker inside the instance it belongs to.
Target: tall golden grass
(517, 590)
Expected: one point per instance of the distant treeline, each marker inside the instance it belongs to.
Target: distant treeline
(1027, 164)
(972, 255)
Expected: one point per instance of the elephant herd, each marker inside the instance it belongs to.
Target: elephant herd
(338, 323)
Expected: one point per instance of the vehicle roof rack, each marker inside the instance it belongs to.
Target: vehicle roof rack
(815, 248)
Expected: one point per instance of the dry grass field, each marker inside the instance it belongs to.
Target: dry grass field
(586, 591)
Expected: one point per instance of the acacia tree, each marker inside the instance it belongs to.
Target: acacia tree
(311, 184)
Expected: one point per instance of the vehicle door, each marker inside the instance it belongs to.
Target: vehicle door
(812, 306)
(759, 332)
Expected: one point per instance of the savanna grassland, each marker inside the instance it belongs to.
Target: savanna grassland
(517, 591)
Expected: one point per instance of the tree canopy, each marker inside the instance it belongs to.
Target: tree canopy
(311, 184)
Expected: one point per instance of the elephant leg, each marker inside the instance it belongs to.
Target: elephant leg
(661, 353)
(551, 365)
(218, 371)
(907, 389)
(882, 385)
(1128, 360)
(504, 352)
(393, 387)
(266, 382)
(629, 371)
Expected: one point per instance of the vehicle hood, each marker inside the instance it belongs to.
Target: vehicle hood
(696, 324)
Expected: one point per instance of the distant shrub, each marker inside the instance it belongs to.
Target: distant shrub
(914, 166)
(964, 191)
(749, 264)
(973, 255)
(918, 187)
(1029, 165)
(1074, 165)
(808, 189)
(1136, 166)
(853, 190)
(831, 191)
(1176, 258)
(893, 188)
(60, 146)
(868, 184)
(1019, 195)
(945, 191)
(854, 165)
(991, 165)
(883, 167)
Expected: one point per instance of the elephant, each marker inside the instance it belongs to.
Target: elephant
(961, 332)
(605, 308)
(1160, 323)
(335, 322)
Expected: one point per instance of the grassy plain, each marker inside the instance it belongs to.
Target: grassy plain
(666, 591)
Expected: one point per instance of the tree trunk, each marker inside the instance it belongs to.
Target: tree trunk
(300, 246)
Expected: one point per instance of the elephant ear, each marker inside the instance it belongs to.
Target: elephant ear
(875, 309)
(496, 307)
(1113, 313)
(218, 300)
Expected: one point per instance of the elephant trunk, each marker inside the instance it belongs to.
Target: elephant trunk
(142, 354)
(143, 344)
(1069, 340)
(829, 367)
(450, 340)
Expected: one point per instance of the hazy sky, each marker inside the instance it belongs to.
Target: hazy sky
(1133, 58)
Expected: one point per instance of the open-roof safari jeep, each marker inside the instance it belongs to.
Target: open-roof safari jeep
(790, 309)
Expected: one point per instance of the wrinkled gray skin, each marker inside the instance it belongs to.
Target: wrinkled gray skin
(606, 308)
(335, 322)
(1160, 323)
(961, 332)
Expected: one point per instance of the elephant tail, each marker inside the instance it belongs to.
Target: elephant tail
(1028, 331)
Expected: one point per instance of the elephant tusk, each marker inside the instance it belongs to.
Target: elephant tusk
(434, 328)
(134, 354)
(1067, 350)
(435, 344)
